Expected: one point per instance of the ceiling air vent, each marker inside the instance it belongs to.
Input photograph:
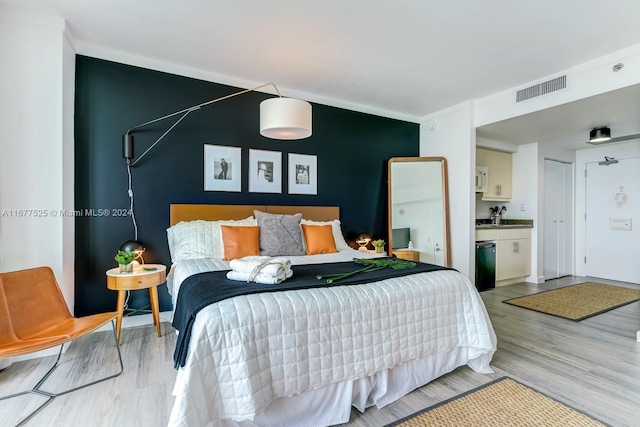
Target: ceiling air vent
(543, 88)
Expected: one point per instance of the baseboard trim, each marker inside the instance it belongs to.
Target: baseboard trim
(140, 320)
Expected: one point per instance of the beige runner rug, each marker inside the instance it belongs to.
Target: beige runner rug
(578, 302)
(503, 402)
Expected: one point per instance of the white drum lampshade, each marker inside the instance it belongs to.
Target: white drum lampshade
(285, 118)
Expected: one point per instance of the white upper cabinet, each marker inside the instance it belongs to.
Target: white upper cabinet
(500, 171)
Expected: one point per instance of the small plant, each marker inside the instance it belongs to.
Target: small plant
(378, 243)
(124, 258)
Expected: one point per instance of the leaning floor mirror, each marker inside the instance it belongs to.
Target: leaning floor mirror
(419, 209)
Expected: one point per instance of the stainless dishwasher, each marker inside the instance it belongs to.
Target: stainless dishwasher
(485, 265)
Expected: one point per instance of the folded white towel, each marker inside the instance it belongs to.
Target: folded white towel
(266, 264)
(265, 279)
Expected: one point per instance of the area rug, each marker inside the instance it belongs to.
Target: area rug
(578, 302)
(503, 402)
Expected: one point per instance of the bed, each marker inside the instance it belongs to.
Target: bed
(306, 357)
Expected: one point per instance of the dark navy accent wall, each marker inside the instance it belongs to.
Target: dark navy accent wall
(352, 150)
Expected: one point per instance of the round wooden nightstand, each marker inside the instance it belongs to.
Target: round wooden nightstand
(147, 276)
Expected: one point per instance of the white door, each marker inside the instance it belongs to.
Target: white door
(613, 220)
(557, 218)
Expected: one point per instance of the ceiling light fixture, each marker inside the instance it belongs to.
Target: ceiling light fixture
(602, 135)
(599, 134)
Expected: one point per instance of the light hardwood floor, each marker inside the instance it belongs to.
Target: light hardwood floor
(593, 365)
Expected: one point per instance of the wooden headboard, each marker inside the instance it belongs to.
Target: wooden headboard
(185, 212)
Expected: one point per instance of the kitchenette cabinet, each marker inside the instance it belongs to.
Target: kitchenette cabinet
(513, 258)
(500, 170)
(513, 253)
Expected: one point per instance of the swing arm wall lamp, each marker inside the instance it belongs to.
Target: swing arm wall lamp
(280, 118)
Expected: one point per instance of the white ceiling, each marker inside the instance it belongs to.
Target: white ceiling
(401, 58)
(568, 125)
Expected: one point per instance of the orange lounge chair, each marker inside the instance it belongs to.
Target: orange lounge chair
(34, 317)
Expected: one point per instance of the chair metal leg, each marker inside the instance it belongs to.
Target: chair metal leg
(51, 396)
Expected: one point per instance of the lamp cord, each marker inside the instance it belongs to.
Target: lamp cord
(130, 192)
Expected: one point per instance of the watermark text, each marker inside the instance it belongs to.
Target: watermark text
(64, 213)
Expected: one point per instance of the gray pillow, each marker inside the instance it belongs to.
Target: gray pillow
(279, 234)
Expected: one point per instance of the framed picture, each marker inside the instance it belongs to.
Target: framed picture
(222, 168)
(265, 171)
(303, 174)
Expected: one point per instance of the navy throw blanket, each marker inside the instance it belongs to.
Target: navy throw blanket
(203, 289)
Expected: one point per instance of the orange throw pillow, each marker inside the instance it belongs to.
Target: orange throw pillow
(240, 241)
(319, 239)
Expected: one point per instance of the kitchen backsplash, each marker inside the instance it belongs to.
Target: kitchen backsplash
(483, 210)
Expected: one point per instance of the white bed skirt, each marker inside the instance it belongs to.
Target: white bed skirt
(331, 405)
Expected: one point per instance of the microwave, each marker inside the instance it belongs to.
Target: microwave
(482, 179)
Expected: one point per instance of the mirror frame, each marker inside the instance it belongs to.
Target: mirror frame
(445, 200)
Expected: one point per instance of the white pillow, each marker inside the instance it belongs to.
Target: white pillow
(199, 239)
(338, 238)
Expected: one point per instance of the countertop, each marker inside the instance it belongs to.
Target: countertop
(485, 224)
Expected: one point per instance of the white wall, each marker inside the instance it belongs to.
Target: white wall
(619, 151)
(450, 133)
(583, 80)
(68, 169)
(458, 146)
(526, 191)
(36, 161)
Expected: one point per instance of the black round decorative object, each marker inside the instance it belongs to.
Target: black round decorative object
(132, 246)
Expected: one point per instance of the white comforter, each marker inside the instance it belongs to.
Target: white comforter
(248, 351)
(183, 269)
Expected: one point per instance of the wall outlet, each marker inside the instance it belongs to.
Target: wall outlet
(523, 207)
